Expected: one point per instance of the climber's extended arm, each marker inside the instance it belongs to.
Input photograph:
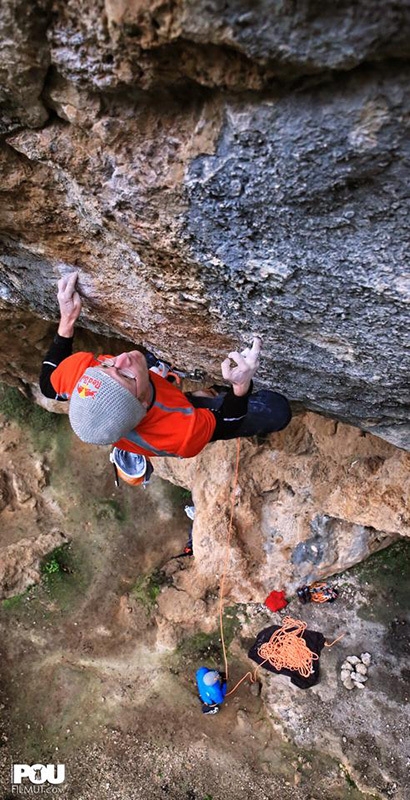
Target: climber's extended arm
(235, 405)
(230, 414)
(69, 302)
(61, 348)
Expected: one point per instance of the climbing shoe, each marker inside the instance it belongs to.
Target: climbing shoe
(209, 709)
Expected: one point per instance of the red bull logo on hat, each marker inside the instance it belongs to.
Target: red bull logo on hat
(88, 386)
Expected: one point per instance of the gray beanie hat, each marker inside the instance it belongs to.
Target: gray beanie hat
(101, 410)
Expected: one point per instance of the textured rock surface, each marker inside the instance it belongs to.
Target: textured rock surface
(20, 563)
(366, 733)
(24, 60)
(211, 168)
(29, 519)
(318, 498)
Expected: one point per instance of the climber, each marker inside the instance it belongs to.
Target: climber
(211, 685)
(120, 401)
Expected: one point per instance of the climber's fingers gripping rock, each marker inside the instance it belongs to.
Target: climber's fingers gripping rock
(251, 354)
(245, 365)
(68, 298)
(69, 302)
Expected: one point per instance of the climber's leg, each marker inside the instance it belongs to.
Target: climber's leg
(150, 358)
(268, 411)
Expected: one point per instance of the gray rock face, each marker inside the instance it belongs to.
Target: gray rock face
(299, 220)
(305, 35)
(324, 546)
(24, 60)
(278, 204)
(236, 45)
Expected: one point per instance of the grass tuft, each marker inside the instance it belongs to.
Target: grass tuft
(147, 588)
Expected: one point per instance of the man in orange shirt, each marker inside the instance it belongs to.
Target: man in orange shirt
(120, 401)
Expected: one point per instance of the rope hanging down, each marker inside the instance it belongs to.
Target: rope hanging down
(226, 557)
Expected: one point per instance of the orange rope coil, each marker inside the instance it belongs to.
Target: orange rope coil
(287, 649)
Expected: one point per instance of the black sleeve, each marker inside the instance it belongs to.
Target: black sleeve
(230, 414)
(61, 348)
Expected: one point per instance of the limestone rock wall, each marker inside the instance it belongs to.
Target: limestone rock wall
(215, 168)
(312, 501)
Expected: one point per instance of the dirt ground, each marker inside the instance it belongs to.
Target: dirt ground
(85, 682)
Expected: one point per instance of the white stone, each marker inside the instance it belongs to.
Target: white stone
(358, 678)
(353, 659)
(366, 658)
(348, 683)
(361, 669)
(359, 685)
(345, 674)
(346, 665)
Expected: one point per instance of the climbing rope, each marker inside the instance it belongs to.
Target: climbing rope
(286, 649)
(249, 675)
(285, 645)
(226, 556)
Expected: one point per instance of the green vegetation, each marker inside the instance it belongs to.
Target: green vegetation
(147, 588)
(391, 561)
(208, 645)
(54, 567)
(65, 576)
(56, 561)
(12, 603)
(384, 577)
(66, 573)
(108, 508)
(201, 645)
(178, 494)
(41, 424)
(386, 574)
(348, 778)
